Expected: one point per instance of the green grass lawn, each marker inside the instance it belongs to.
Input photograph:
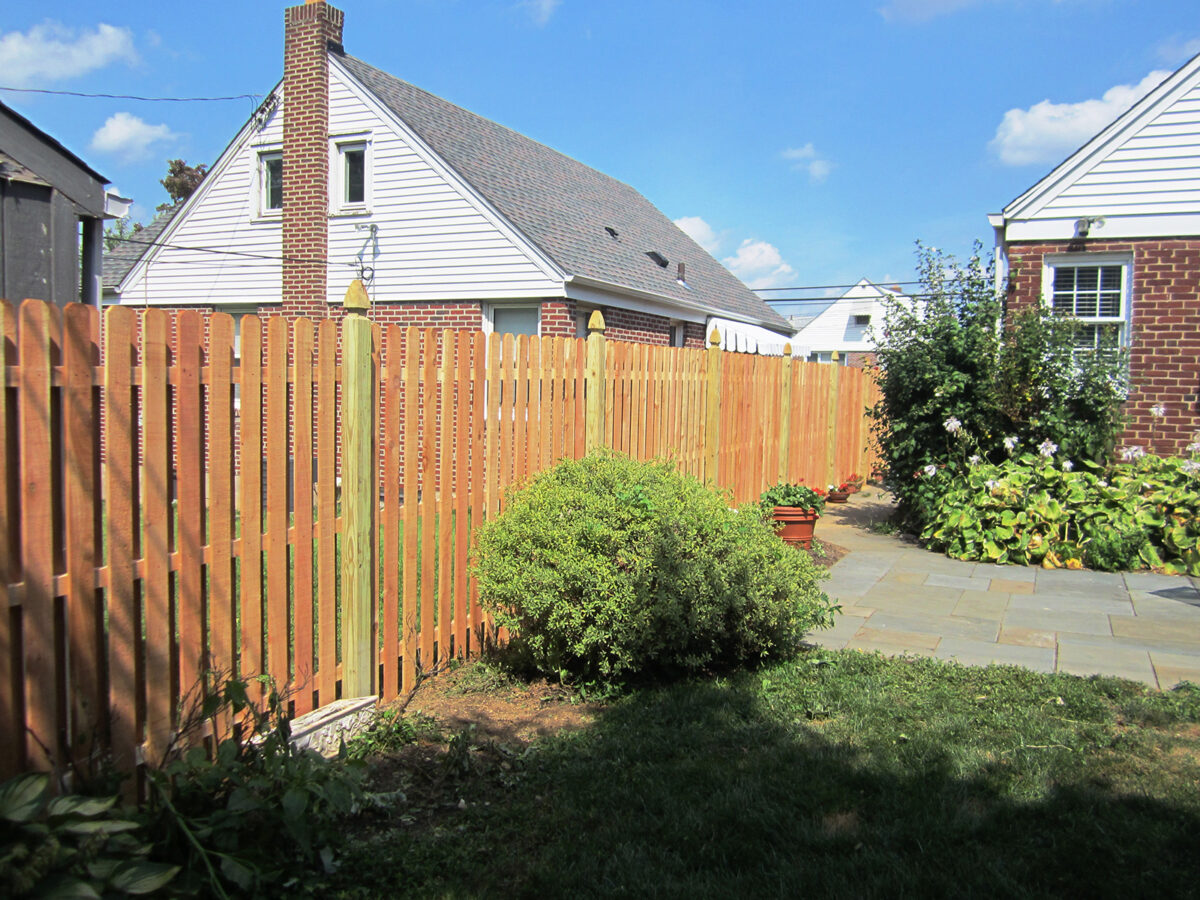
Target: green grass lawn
(839, 774)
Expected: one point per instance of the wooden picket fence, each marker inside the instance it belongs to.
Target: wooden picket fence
(144, 549)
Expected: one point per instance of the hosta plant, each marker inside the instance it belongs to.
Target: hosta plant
(1143, 512)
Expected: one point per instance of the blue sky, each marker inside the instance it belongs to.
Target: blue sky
(803, 143)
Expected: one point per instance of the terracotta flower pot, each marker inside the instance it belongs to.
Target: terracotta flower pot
(797, 524)
(837, 496)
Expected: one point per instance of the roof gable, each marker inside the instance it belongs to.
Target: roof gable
(1146, 162)
(590, 225)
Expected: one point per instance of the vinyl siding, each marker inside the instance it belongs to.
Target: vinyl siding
(1155, 171)
(434, 241)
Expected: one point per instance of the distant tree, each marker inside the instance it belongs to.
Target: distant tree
(120, 230)
(181, 181)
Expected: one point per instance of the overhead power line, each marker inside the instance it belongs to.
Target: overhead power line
(821, 287)
(238, 253)
(254, 97)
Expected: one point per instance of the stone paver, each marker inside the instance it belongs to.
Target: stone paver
(900, 599)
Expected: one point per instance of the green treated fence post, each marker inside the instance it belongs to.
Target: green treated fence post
(594, 374)
(359, 499)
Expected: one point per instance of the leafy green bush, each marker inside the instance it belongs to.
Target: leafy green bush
(606, 568)
(954, 382)
(798, 495)
(1141, 512)
(251, 819)
(72, 846)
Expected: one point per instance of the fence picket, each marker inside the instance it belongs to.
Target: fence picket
(409, 623)
(327, 575)
(12, 725)
(304, 669)
(222, 615)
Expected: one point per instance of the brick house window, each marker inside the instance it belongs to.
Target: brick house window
(270, 183)
(514, 319)
(351, 182)
(1095, 292)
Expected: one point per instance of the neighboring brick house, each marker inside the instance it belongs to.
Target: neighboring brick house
(1112, 236)
(450, 219)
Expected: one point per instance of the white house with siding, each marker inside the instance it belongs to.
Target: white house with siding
(844, 326)
(448, 218)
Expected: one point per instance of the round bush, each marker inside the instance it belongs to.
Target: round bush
(607, 567)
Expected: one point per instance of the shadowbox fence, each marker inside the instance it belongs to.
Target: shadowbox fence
(144, 551)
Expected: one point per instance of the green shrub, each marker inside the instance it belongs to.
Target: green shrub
(606, 568)
(959, 375)
(1030, 509)
(252, 818)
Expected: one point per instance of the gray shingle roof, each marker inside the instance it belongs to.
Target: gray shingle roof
(564, 207)
(121, 258)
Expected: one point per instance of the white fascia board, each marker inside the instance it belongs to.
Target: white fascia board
(1114, 228)
(232, 149)
(602, 293)
(1035, 199)
(545, 264)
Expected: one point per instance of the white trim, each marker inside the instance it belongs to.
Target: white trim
(489, 314)
(259, 184)
(1114, 228)
(1051, 261)
(426, 153)
(338, 145)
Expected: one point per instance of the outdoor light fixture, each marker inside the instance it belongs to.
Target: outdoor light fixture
(1086, 224)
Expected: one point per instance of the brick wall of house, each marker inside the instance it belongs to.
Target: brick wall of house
(1165, 338)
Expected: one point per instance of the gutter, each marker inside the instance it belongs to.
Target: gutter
(584, 281)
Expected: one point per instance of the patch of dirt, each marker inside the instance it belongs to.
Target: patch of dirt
(828, 553)
(515, 713)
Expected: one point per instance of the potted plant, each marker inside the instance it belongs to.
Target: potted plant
(854, 481)
(795, 509)
(839, 493)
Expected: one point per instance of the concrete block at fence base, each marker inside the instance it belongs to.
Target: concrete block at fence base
(323, 729)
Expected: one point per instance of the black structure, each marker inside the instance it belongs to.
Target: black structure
(52, 209)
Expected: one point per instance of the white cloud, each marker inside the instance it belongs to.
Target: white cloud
(806, 159)
(700, 232)
(1047, 132)
(1175, 51)
(540, 10)
(53, 52)
(127, 136)
(759, 265)
(921, 10)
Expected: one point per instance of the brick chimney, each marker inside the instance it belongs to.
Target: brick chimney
(308, 32)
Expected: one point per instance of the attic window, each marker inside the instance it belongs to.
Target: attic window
(862, 319)
(659, 259)
(612, 232)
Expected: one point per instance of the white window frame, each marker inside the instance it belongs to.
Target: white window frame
(489, 314)
(1124, 320)
(261, 182)
(338, 147)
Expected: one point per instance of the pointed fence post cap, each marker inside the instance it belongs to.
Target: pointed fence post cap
(714, 338)
(356, 299)
(596, 321)
(787, 349)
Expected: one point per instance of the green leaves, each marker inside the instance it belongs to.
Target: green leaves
(1027, 509)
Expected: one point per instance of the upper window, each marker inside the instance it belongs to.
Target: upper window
(351, 176)
(1096, 293)
(270, 183)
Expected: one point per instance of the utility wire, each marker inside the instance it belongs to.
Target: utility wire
(819, 287)
(239, 253)
(132, 96)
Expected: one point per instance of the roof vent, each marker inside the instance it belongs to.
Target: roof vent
(612, 232)
(659, 259)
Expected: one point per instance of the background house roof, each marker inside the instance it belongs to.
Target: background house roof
(121, 258)
(565, 207)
